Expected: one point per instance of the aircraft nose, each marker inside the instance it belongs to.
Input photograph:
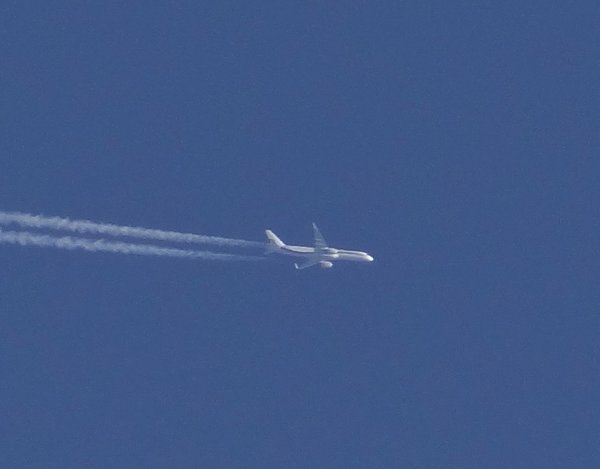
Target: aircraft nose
(369, 258)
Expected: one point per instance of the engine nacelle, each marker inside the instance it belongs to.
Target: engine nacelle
(326, 264)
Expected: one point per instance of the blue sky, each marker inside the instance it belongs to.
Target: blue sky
(455, 141)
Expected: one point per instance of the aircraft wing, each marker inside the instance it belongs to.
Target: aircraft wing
(320, 243)
(307, 263)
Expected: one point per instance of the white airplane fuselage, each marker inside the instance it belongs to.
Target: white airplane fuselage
(320, 254)
(328, 254)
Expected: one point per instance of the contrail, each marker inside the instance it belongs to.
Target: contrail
(25, 238)
(90, 227)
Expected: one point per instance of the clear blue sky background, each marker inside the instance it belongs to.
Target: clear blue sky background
(455, 141)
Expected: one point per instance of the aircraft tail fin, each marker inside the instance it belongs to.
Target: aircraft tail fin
(274, 242)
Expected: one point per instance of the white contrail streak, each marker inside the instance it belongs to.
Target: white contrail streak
(25, 238)
(90, 227)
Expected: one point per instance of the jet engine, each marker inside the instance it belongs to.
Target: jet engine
(326, 264)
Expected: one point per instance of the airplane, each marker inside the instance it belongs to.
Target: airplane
(321, 254)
